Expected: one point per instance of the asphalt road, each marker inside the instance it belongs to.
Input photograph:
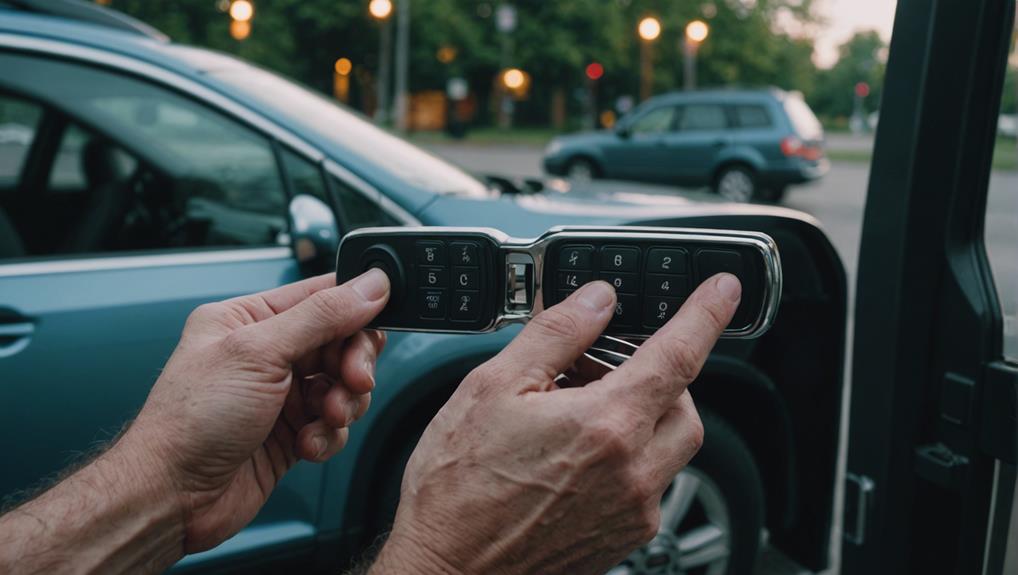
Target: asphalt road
(837, 201)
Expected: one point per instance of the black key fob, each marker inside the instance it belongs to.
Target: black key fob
(475, 280)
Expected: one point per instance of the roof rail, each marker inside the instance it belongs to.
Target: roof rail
(83, 11)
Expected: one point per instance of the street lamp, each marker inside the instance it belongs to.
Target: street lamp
(513, 78)
(649, 29)
(241, 12)
(381, 10)
(341, 79)
(696, 32)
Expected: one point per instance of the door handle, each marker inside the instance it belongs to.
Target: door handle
(14, 337)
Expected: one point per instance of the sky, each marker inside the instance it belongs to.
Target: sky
(844, 18)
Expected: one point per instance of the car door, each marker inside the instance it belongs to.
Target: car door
(693, 147)
(133, 204)
(933, 442)
(639, 152)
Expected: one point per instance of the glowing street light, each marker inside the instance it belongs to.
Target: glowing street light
(696, 32)
(380, 9)
(241, 10)
(514, 78)
(344, 66)
(649, 28)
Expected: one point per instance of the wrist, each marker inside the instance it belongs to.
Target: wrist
(405, 553)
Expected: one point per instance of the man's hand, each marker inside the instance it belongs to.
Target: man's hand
(519, 475)
(255, 384)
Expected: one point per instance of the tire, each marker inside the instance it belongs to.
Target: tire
(582, 170)
(719, 531)
(737, 183)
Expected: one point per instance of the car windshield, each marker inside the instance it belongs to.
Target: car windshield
(803, 119)
(389, 153)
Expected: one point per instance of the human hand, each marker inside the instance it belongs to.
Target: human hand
(519, 475)
(256, 383)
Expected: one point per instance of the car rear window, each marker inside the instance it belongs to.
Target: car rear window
(803, 119)
(750, 116)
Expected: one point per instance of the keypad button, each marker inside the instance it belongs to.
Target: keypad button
(572, 280)
(576, 258)
(432, 303)
(466, 278)
(710, 262)
(617, 259)
(667, 285)
(431, 253)
(464, 254)
(431, 277)
(627, 310)
(622, 282)
(466, 305)
(666, 261)
(658, 310)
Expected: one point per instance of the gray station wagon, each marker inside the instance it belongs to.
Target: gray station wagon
(747, 145)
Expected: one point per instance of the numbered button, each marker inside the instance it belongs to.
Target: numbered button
(667, 285)
(466, 278)
(466, 306)
(572, 280)
(431, 253)
(431, 277)
(658, 310)
(432, 303)
(666, 261)
(627, 310)
(464, 254)
(576, 258)
(622, 282)
(620, 259)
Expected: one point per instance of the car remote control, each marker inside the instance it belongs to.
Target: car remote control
(473, 280)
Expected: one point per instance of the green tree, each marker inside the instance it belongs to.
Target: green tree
(860, 60)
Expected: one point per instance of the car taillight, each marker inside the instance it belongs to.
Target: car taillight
(793, 147)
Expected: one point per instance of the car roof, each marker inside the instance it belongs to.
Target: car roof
(732, 95)
(194, 63)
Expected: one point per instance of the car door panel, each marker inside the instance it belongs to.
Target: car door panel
(695, 145)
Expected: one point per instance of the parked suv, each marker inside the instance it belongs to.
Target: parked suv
(145, 178)
(745, 144)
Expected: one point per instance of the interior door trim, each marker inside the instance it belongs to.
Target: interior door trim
(120, 262)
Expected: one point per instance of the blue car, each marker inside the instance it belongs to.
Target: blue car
(146, 178)
(744, 144)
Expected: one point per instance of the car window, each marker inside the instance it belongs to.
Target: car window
(19, 119)
(751, 116)
(701, 117)
(1001, 228)
(805, 122)
(357, 210)
(153, 169)
(656, 121)
(305, 176)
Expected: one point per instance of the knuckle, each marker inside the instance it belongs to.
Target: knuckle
(241, 344)
(695, 435)
(608, 438)
(681, 359)
(331, 303)
(650, 522)
(716, 314)
(204, 313)
(555, 322)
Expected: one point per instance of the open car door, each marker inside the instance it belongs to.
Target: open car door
(930, 483)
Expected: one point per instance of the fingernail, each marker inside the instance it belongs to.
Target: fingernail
(730, 287)
(372, 285)
(369, 369)
(320, 445)
(596, 296)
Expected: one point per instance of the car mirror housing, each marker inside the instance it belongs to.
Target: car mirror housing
(315, 233)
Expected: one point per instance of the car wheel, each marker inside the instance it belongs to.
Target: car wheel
(736, 184)
(711, 515)
(581, 170)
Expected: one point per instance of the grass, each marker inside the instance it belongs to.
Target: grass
(1005, 155)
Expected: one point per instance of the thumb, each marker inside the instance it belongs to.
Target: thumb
(556, 337)
(326, 315)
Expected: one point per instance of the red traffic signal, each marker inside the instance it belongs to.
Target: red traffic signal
(862, 89)
(595, 71)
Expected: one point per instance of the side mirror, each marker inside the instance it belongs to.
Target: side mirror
(622, 131)
(315, 234)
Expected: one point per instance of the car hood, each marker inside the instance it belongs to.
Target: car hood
(531, 215)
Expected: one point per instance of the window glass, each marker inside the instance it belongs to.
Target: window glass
(142, 167)
(1002, 211)
(805, 122)
(654, 122)
(747, 116)
(699, 117)
(358, 210)
(18, 122)
(305, 177)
